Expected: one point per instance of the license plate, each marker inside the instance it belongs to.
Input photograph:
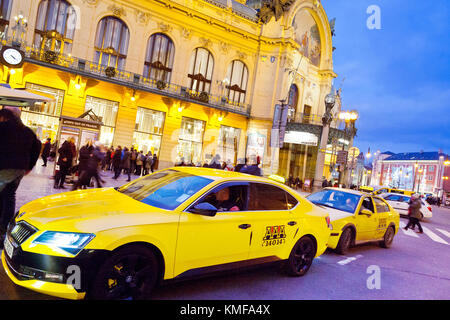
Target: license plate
(9, 249)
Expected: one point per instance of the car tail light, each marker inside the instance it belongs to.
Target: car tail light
(429, 208)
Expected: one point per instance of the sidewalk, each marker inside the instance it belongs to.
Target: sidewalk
(39, 183)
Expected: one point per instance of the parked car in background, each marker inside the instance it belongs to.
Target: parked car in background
(401, 203)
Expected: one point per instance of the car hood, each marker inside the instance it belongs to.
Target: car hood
(91, 211)
(336, 214)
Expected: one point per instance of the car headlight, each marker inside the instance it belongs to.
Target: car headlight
(70, 242)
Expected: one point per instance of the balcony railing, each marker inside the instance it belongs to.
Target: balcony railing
(136, 81)
(315, 119)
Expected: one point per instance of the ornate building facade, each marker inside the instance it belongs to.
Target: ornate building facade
(180, 78)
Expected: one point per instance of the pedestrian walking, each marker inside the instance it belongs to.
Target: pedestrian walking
(65, 159)
(414, 213)
(19, 152)
(91, 167)
(117, 162)
(84, 155)
(148, 163)
(46, 151)
(240, 165)
(139, 163)
(154, 163)
(215, 162)
(126, 159)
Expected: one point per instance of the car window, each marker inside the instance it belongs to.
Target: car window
(335, 199)
(397, 191)
(368, 204)
(393, 197)
(267, 197)
(291, 201)
(165, 189)
(406, 199)
(227, 197)
(381, 205)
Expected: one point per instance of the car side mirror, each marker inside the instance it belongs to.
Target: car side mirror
(366, 212)
(205, 209)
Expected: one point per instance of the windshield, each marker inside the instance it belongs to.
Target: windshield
(166, 189)
(335, 199)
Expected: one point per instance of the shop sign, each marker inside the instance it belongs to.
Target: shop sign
(342, 157)
(80, 124)
(298, 137)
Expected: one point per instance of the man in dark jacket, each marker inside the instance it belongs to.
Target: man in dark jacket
(65, 159)
(19, 151)
(46, 151)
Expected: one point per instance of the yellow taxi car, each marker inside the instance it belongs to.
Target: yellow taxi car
(392, 190)
(119, 243)
(357, 217)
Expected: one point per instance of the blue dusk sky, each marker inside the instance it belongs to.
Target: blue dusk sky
(396, 77)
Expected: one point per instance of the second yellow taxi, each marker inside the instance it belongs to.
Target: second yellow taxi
(357, 217)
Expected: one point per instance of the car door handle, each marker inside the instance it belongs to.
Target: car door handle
(292, 223)
(245, 226)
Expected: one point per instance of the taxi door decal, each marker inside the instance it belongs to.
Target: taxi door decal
(275, 235)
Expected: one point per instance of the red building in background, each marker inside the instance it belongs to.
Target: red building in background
(423, 172)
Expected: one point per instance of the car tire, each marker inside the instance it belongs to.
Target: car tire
(388, 237)
(345, 241)
(301, 257)
(129, 274)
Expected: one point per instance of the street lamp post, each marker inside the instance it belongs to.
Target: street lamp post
(350, 118)
(330, 101)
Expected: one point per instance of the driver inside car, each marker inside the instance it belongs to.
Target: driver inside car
(223, 201)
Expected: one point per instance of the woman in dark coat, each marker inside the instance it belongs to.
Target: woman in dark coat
(85, 154)
(64, 162)
(117, 162)
(126, 162)
(414, 213)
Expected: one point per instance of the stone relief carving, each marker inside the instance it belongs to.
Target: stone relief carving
(117, 11)
(186, 33)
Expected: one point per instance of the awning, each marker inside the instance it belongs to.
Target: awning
(21, 97)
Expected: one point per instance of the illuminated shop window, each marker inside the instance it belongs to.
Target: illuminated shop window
(107, 111)
(111, 42)
(200, 70)
(148, 130)
(159, 58)
(43, 118)
(228, 143)
(55, 26)
(5, 13)
(190, 141)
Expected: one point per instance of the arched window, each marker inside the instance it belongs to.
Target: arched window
(111, 42)
(200, 70)
(292, 102)
(237, 74)
(55, 26)
(159, 58)
(5, 13)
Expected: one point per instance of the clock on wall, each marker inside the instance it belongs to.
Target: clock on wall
(12, 57)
